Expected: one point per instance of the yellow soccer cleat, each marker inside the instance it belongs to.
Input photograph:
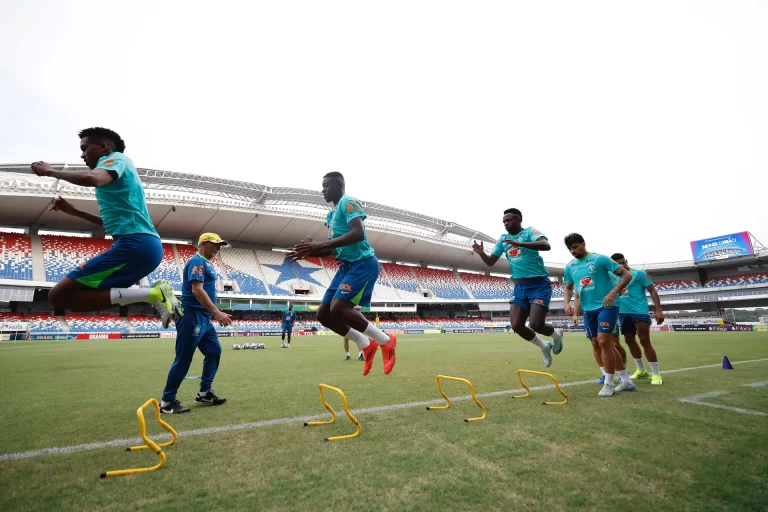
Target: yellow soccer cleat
(656, 380)
(640, 375)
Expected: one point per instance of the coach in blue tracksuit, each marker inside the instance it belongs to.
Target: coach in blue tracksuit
(195, 329)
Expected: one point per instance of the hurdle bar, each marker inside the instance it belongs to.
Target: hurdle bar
(148, 443)
(333, 413)
(544, 374)
(448, 402)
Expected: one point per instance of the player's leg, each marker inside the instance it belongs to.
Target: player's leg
(629, 331)
(590, 329)
(538, 295)
(283, 334)
(211, 348)
(105, 280)
(186, 344)
(518, 314)
(346, 349)
(608, 321)
(617, 344)
(290, 331)
(644, 333)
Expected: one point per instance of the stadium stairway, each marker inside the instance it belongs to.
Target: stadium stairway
(128, 324)
(38, 265)
(63, 323)
(463, 285)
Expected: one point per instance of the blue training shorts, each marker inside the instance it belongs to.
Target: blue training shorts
(601, 320)
(354, 282)
(288, 328)
(130, 259)
(627, 322)
(536, 291)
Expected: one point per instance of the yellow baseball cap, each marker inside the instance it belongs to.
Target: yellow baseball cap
(211, 237)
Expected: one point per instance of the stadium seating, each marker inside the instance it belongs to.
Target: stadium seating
(488, 287)
(311, 272)
(558, 290)
(168, 269)
(63, 253)
(43, 323)
(15, 256)
(442, 283)
(278, 271)
(143, 323)
(11, 317)
(742, 280)
(241, 266)
(401, 277)
(677, 285)
(95, 323)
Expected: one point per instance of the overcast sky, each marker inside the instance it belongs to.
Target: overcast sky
(640, 125)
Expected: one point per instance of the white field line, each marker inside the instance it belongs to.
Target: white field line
(698, 400)
(757, 384)
(59, 450)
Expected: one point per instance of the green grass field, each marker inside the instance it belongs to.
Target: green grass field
(635, 451)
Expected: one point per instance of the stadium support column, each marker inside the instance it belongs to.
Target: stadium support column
(702, 276)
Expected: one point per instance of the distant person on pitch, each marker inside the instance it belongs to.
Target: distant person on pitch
(346, 345)
(634, 319)
(105, 280)
(289, 317)
(354, 281)
(533, 289)
(195, 330)
(589, 274)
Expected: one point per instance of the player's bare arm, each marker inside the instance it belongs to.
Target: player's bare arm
(568, 292)
(86, 178)
(312, 248)
(488, 259)
(541, 244)
(626, 277)
(657, 304)
(199, 292)
(62, 205)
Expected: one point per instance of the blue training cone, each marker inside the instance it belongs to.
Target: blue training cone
(727, 364)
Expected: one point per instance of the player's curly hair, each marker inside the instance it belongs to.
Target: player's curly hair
(573, 238)
(513, 211)
(617, 256)
(104, 133)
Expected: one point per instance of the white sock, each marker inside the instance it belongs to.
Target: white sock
(125, 296)
(377, 334)
(163, 403)
(602, 370)
(347, 354)
(624, 376)
(609, 379)
(543, 345)
(654, 368)
(359, 338)
(640, 365)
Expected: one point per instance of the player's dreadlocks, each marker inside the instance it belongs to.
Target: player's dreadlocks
(104, 133)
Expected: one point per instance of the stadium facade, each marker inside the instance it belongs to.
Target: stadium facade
(428, 263)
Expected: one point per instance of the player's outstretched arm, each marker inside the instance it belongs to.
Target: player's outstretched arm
(488, 259)
(326, 247)
(199, 292)
(657, 303)
(541, 244)
(85, 178)
(62, 205)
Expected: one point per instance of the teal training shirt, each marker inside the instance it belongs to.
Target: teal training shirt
(338, 220)
(523, 263)
(591, 276)
(634, 300)
(121, 203)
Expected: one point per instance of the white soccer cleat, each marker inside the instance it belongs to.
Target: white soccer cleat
(626, 386)
(606, 391)
(546, 354)
(557, 341)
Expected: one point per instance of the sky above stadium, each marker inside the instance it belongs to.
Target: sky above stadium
(640, 125)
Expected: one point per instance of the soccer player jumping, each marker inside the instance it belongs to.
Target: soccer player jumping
(634, 319)
(353, 283)
(533, 289)
(105, 280)
(590, 274)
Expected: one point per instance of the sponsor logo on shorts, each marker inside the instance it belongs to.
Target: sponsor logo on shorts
(605, 324)
(345, 288)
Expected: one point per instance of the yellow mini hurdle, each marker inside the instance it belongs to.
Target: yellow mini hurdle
(333, 414)
(148, 443)
(544, 374)
(448, 402)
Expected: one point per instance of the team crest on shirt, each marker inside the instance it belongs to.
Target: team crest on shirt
(197, 329)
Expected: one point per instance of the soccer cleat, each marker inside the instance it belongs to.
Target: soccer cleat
(546, 354)
(388, 353)
(174, 407)
(626, 386)
(640, 374)
(369, 352)
(348, 358)
(209, 398)
(360, 357)
(656, 380)
(557, 340)
(606, 391)
(166, 303)
(601, 380)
